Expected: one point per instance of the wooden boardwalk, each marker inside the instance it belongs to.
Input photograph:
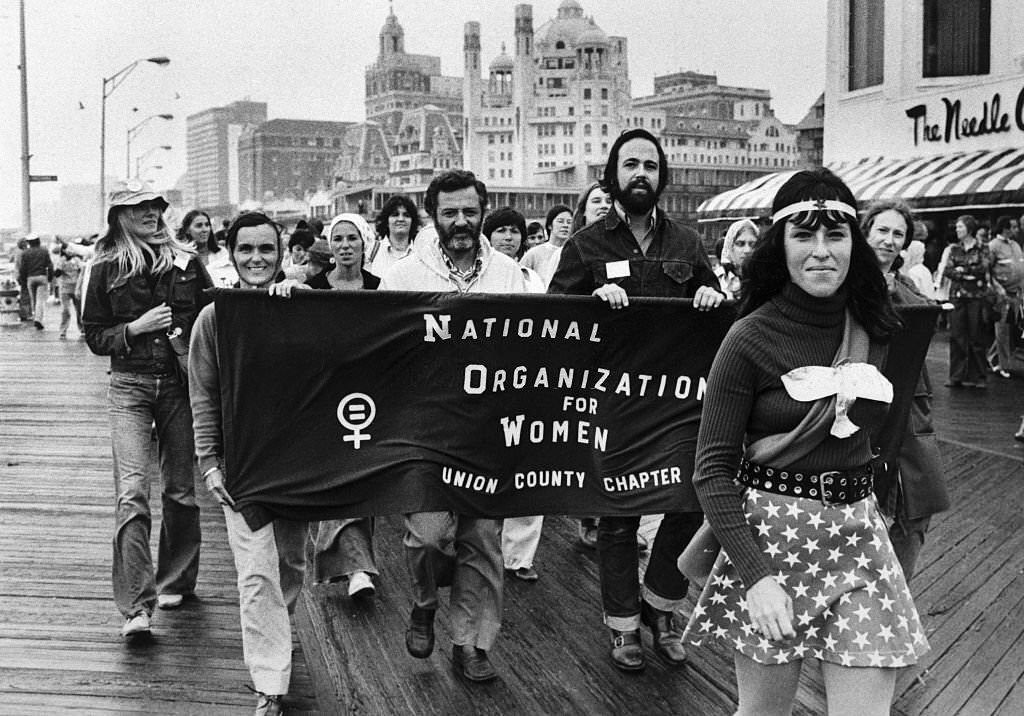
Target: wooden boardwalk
(60, 648)
(60, 643)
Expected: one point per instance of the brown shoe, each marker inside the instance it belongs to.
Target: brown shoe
(473, 664)
(269, 705)
(419, 637)
(668, 640)
(627, 650)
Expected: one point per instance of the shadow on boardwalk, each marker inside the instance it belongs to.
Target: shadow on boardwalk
(60, 647)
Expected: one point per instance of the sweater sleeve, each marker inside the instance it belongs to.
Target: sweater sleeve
(728, 403)
(204, 389)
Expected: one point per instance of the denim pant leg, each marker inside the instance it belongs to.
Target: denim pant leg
(178, 556)
(38, 288)
(342, 548)
(959, 342)
(429, 552)
(131, 397)
(477, 585)
(619, 564)
(664, 585)
(269, 563)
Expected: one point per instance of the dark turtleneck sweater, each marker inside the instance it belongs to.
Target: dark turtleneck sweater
(746, 401)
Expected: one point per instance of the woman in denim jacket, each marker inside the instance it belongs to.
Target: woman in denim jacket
(145, 290)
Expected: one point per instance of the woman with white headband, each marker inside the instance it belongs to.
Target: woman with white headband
(783, 468)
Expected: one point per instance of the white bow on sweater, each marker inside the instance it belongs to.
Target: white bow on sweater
(847, 381)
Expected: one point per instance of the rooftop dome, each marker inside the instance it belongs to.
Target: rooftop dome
(566, 28)
(593, 36)
(502, 61)
(569, 6)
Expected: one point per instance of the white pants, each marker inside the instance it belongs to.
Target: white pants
(271, 565)
(519, 539)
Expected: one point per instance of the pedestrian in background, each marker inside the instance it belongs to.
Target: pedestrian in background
(968, 267)
(145, 290)
(35, 273)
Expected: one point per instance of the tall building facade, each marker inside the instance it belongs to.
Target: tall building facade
(212, 154)
(549, 109)
(288, 158)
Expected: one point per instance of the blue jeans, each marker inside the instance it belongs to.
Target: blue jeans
(664, 586)
(138, 400)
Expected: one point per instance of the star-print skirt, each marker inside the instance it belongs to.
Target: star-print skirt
(850, 598)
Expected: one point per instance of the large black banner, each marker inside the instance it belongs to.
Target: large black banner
(343, 404)
(358, 403)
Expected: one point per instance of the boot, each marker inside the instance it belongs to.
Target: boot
(668, 640)
(627, 650)
(472, 663)
(419, 637)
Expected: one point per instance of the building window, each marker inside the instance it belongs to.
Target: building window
(956, 37)
(604, 93)
(586, 93)
(867, 41)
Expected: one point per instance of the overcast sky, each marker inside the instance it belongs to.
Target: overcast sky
(306, 59)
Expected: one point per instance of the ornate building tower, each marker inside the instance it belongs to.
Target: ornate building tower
(523, 96)
(472, 93)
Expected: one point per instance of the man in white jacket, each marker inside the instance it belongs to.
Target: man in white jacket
(459, 259)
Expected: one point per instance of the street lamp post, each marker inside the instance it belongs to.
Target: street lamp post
(109, 85)
(142, 157)
(133, 132)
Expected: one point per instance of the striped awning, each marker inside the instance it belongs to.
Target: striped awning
(986, 178)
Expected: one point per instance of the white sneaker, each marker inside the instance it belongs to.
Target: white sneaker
(360, 585)
(169, 601)
(136, 625)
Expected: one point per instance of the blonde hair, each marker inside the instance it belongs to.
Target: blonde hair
(133, 254)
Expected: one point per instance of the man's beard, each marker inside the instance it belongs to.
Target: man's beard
(447, 238)
(635, 204)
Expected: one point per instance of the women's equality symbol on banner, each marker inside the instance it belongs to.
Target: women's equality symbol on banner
(355, 412)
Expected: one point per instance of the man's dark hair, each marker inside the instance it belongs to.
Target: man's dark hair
(453, 181)
(766, 272)
(1003, 225)
(249, 220)
(390, 208)
(611, 168)
(506, 216)
(301, 237)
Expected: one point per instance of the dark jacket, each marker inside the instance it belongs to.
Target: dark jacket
(35, 261)
(922, 482)
(676, 263)
(320, 281)
(111, 303)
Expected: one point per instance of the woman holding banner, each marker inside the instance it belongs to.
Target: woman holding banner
(807, 568)
(270, 559)
(344, 548)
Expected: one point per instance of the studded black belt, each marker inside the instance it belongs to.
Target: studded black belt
(832, 487)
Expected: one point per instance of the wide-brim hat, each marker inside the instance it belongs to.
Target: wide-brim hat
(133, 194)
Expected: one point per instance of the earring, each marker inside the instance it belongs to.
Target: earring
(332, 260)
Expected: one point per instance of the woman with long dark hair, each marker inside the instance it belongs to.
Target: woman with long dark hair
(145, 290)
(783, 467)
(397, 226)
(197, 231)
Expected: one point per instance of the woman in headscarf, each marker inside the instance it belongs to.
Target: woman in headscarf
(344, 548)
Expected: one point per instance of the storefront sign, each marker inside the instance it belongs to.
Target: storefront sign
(959, 123)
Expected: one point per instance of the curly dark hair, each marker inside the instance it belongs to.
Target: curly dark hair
(453, 181)
(610, 178)
(766, 272)
(390, 207)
